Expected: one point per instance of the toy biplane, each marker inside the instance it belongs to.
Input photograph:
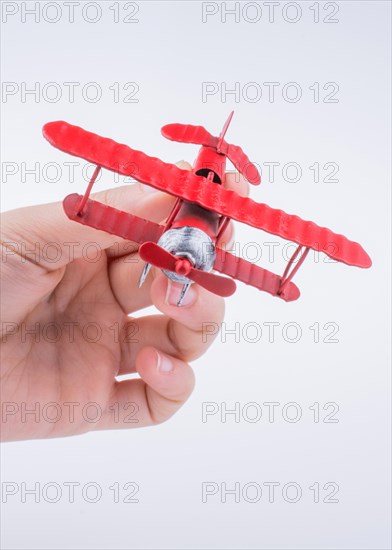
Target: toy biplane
(185, 247)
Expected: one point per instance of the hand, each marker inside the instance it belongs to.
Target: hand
(68, 291)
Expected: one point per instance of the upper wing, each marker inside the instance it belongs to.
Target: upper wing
(114, 156)
(186, 185)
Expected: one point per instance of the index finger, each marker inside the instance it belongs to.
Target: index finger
(183, 332)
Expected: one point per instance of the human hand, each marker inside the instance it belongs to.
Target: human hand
(68, 291)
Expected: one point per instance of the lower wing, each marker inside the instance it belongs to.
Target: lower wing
(254, 275)
(130, 227)
(113, 221)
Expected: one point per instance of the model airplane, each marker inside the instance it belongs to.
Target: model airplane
(185, 247)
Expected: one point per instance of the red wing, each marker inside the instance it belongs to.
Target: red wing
(188, 133)
(254, 275)
(228, 203)
(241, 162)
(293, 228)
(109, 219)
(186, 185)
(112, 155)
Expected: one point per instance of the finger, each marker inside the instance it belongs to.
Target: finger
(124, 275)
(237, 182)
(184, 332)
(166, 383)
(40, 231)
(32, 228)
(39, 241)
(186, 323)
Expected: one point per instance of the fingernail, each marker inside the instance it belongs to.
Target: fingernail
(174, 292)
(164, 364)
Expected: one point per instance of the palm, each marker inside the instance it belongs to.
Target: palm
(72, 354)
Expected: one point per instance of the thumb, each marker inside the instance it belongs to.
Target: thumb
(39, 241)
(44, 236)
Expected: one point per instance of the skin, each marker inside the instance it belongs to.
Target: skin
(59, 372)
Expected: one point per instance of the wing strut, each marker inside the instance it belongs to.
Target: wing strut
(288, 275)
(81, 207)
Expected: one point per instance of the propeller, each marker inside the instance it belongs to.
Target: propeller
(153, 254)
(188, 133)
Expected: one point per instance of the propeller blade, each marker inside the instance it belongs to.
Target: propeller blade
(225, 128)
(153, 254)
(222, 286)
(157, 256)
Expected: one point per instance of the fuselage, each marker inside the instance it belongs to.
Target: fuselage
(193, 231)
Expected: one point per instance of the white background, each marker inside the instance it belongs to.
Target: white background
(169, 52)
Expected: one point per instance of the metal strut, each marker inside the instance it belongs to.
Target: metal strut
(223, 225)
(173, 214)
(287, 275)
(86, 195)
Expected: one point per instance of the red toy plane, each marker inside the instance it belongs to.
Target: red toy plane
(185, 248)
